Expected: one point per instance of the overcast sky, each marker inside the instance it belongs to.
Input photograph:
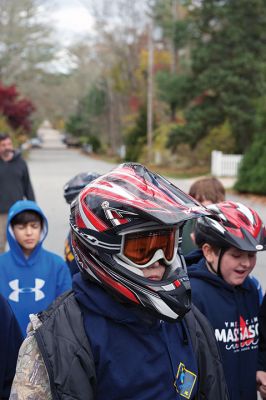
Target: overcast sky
(72, 19)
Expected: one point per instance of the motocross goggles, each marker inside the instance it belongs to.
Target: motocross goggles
(142, 249)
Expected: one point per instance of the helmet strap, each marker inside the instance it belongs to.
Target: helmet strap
(221, 253)
(210, 267)
(218, 270)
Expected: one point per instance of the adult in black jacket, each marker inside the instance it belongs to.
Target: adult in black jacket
(14, 182)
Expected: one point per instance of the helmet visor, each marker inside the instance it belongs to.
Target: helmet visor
(144, 248)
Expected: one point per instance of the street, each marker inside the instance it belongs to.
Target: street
(50, 169)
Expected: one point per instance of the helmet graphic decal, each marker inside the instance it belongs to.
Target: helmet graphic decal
(216, 225)
(239, 226)
(115, 215)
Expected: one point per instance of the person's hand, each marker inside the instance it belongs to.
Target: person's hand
(261, 383)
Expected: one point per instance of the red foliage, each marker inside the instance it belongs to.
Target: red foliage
(134, 104)
(17, 110)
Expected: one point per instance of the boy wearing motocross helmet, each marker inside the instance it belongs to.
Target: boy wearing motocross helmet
(71, 190)
(223, 291)
(126, 331)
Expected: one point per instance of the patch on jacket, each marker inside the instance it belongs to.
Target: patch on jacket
(184, 381)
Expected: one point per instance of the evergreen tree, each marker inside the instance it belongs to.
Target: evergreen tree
(136, 138)
(88, 121)
(252, 172)
(227, 55)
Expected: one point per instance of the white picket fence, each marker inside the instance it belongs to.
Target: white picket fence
(224, 164)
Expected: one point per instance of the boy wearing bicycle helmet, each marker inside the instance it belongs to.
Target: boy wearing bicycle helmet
(126, 331)
(224, 293)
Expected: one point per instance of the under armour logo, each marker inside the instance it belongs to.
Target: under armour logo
(39, 295)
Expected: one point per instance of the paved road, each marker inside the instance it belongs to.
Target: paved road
(51, 169)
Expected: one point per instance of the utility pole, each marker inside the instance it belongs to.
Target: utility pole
(175, 5)
(150, 92)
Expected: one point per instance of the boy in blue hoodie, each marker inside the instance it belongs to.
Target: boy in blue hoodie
(30, 276)
(224, 292)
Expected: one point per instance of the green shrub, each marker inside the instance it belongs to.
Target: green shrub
(252, 172)
(93, 141)
(219, 138)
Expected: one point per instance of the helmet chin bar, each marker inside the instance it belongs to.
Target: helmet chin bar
(168, 299)
(164, 309)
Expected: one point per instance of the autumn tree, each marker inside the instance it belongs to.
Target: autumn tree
(16, 109)
(120, 26)
(26, 45)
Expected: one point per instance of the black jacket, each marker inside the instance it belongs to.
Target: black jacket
(62, 337)
(14, 182)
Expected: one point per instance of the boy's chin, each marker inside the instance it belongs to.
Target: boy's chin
(28, 247)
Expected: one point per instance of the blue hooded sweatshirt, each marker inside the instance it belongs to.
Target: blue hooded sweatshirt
(135, 357)
(30, 284)
(233, 313)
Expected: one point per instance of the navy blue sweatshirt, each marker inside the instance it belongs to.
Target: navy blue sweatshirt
(233, 313)
(136, 358)
(10, 341)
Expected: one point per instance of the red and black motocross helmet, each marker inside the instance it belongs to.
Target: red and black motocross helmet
(237, 225)
(125, 221)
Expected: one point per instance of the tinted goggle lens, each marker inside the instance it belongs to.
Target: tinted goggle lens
(140, 248)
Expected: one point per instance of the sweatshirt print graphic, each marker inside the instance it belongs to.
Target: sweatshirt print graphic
(239, 335)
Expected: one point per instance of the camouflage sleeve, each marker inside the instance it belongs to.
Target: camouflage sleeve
(31, 380)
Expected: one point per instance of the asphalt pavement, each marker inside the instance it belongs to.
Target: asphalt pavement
(50, 169)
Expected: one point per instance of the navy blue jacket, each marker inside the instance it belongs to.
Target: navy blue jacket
(140, 356)
(10, 341)
(233, 313)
